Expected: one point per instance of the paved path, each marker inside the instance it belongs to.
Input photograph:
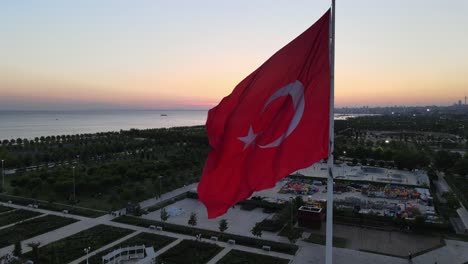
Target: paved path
(219, 256)
(167, 196)
(57, 234)
(99, 250)
(9, 211)
(219, 243)
(166, 248)
(442, 186)
(454, 252)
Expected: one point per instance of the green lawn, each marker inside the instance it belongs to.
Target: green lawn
(5, 209)
(190, 252)
(242, 257)
(147, 239)
(320, 239)
(32, 228)
(71, 248)
(16, 216)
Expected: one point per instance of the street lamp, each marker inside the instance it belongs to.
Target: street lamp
(3, 177)
(86, 250)
(74, 189)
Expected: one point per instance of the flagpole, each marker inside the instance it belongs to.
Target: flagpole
(329, 223)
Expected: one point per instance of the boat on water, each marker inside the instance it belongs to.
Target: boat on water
(163, 115)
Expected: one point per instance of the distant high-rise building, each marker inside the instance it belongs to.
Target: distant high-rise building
(459, 102)
(465, 99)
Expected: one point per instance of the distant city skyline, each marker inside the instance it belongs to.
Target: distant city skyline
(189, 55)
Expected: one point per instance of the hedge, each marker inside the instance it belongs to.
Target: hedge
(241, 240)
(52, 206)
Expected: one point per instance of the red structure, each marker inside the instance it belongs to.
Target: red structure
(310, 216)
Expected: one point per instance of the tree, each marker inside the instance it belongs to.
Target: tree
(17, 250)
(256, 230)
(35, 251)
(164, 215)
(292, 233)
(193, 219)
(223, 225)
(451, 199)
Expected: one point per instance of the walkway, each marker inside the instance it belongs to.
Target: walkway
(167, 196)
(99, 250)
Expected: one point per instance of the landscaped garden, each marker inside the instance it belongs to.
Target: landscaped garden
(190, 252)
(147, 239)
(71, 248)
(16, 216)
(241, 240)
(242, 257)
(32, 228)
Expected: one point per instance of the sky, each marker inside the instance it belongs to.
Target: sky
(185, 54)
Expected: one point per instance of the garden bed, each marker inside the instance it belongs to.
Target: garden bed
(321, 240)
(242, 240)
(5, 209)
(32, 228)
(71, 248)
(16, 216)
(190, 251)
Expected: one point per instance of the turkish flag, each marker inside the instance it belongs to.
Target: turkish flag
(274, 122)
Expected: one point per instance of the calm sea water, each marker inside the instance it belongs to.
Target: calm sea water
(30, 124)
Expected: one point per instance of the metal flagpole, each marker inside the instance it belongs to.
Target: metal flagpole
(329, 227)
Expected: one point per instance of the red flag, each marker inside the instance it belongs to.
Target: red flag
(274, 122)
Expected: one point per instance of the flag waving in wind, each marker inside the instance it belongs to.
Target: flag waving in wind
(274, 122)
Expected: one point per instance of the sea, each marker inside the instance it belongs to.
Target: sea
(31, 124)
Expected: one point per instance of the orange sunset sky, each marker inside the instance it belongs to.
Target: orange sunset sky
(190, 54)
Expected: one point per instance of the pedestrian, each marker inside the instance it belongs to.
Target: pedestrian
(410, 257)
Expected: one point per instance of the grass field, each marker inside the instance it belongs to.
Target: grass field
(16, 216)
(32, 228)
(242, 257)
(190, 252)
(5, 209)
(320, 239)
(71, 248)
(147, 239)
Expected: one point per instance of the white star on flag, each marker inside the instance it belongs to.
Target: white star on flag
(249, 139)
